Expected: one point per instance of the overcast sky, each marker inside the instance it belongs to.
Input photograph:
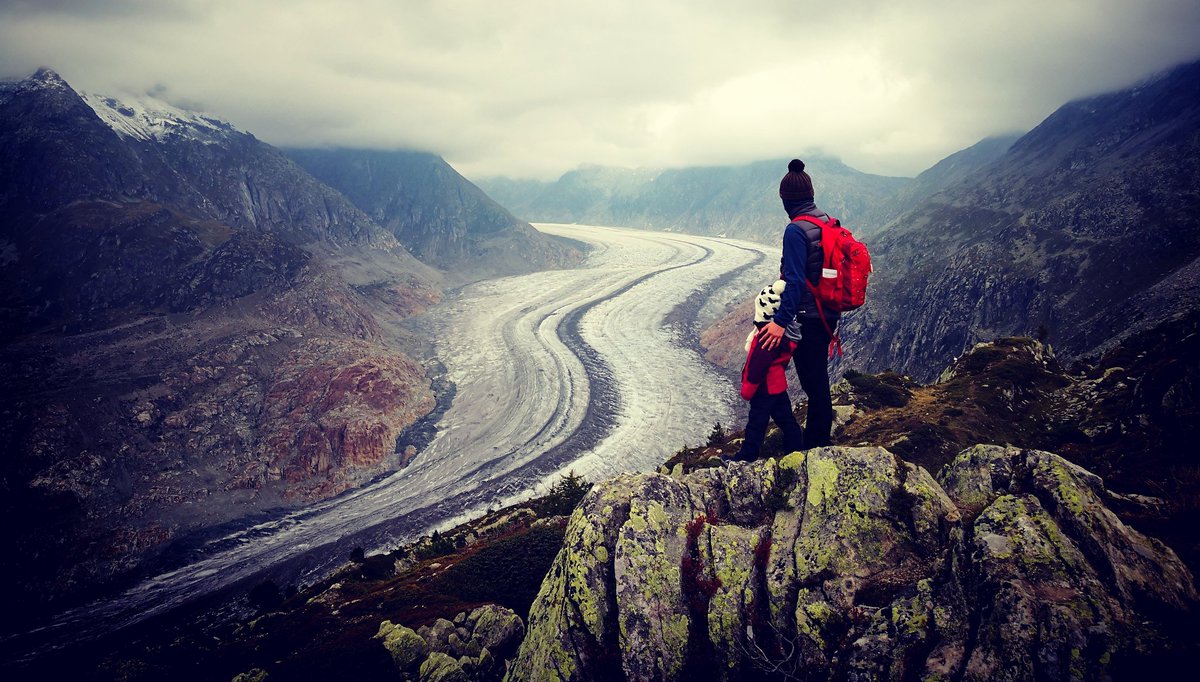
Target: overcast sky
(535, 88)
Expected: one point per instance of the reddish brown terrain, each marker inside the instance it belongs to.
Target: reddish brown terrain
(196, 331)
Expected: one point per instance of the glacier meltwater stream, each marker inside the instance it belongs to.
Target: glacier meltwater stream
(553, 371)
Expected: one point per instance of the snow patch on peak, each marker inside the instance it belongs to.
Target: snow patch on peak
(47, 77)
(43, 79)
(153, 120)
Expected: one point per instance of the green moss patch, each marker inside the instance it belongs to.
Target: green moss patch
(874, 391)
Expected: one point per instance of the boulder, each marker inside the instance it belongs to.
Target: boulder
(439, 667)
(850, 563)
(472, 647)
(495, 629)
(408, 649)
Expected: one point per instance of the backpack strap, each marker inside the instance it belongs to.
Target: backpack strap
(835, 342)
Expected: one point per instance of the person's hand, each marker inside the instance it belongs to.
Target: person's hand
(770, 336)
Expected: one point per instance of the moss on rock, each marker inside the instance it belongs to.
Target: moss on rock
(440, 667)
(406, 647)
(850, 562)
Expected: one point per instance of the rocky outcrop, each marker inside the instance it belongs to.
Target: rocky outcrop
(849, 563)
(331, 416)
(472, 648)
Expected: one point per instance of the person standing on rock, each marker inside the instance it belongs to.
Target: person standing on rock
(764, 383)
(801, 322)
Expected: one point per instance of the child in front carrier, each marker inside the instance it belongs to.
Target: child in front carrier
(764, 383)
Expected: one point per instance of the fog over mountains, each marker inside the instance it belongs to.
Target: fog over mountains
(734, 201)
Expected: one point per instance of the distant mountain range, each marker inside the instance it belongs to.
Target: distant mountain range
(194, 327)
(735, 201)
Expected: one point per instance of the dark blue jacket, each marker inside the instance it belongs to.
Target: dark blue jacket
(802, 259)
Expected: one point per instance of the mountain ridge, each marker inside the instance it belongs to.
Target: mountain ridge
(1046, 236)
(195, 330)
(443, 218)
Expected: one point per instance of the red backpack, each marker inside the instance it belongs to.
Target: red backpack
(843, 283)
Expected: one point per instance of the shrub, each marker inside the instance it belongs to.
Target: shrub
(564, 496)
(508, 572)
(883, 390)
(439, 545)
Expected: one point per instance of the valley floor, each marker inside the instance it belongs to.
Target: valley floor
(592, 369)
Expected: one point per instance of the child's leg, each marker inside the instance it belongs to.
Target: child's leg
(756, 424)
(785, 419)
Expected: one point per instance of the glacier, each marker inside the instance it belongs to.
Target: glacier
(557, 370)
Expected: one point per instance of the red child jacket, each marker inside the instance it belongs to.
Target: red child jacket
(768, 365)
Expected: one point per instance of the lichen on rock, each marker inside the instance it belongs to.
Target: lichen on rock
(440, 667)
(471, 648)
(853, 564)
(407, 648)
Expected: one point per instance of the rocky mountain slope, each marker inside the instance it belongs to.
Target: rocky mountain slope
(736, 201)
(944, 174)
(430, 208)
(1083, 231)
(193, 330)
(913, 549)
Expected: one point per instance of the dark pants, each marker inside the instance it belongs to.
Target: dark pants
(763, 408)
(812, 367)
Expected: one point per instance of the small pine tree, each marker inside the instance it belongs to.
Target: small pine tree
(565, 494)
(440, 544)
(717, 436)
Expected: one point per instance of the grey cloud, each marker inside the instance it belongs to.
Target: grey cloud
(101, 8)
(536, 88)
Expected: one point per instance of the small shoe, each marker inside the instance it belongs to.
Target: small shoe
(739, 456)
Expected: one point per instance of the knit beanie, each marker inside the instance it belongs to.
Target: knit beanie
(765, 305)
(796, 185)
(767, 301)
